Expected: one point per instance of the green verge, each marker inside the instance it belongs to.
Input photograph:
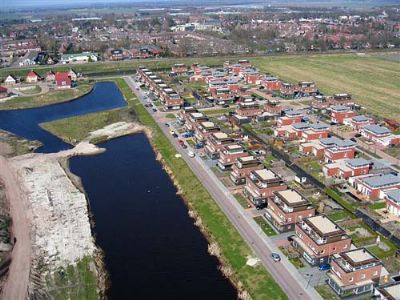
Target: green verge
(257, 281)
(74, 282)
(268, 230)
(52, 97)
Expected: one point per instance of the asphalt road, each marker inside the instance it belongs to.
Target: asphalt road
(286, 275)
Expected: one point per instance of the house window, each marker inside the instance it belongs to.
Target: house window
(345, 246)
(351, 279)
(375, 273)
(363, 276)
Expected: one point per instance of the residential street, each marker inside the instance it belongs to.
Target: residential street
(287, 276)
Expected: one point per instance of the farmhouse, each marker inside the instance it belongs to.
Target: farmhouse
(63, 81)
(10, 80)
(32, 77)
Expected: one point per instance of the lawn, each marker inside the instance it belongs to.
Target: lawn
(265, 226)
(257, 281)
(373, 81)
(326, 292)
(339, 215)
(380, 253)
(55, 96)
(242, 200)
(75, 129)
(377, 205)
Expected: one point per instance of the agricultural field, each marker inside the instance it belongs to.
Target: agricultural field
(373, 81)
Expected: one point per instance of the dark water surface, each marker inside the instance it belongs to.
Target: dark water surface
(153, 249)
(25, 122)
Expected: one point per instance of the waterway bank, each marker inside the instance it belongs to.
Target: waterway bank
(256, 281)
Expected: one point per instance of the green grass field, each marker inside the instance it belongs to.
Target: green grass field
(51, 97)
(373, 81)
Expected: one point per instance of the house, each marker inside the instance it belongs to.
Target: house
(374, 186)
(380, 134)
(313, 147)
(216, 142)
(341, 99)
(336, 148)
(290, 117)
(354, 272)
(63, 81)
(10, 80)
(261, 184)
(242, 168)
(316, 131)
(183, 115)
(307, 88)
(3, 92)
(32, 77)
(273, 107)
(318, 238)
(359, 122)
(179, 69)
(320, 102)
(229, 154)
(339, 113)
(271, 84)
(346, 168)
(249, 108)
(392, 198)
(287, 90)
(252, 77)
(388, 292)
(285, 208)
(116, 54)
(203, 129)
(50, 76)
(73, 75)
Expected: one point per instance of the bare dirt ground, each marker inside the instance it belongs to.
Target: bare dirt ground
(50, 216)
(16, 286)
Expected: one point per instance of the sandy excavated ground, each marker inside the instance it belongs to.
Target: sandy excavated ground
(50, 214)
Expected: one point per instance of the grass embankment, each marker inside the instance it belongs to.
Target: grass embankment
(256, 280)
(55, 96)
(74, 282)
(373, 81)
(75, 129)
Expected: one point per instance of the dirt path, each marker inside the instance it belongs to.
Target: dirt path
(16, 286)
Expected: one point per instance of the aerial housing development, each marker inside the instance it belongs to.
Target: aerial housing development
(256, 146)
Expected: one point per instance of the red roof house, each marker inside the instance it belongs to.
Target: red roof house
(63, 81)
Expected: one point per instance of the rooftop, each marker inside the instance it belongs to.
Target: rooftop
(291, 196)
(360, 118)
(394, 195)
(324, 225)
(247, 158)
(220, 135)
(265, 174)
(381, 180)
(358, 256)
(208, 124)
(357, 162)
(377, 129)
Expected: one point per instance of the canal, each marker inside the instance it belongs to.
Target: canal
(152, 248)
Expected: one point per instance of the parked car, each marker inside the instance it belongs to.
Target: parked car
(154, 109)
(191, 153)
(166, 124)
(225, 105)
(324, 267)
(276, 257)
(180, 142)
(174, 135)
(198, 146)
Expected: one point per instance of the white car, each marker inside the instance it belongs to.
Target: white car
(191, 154)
